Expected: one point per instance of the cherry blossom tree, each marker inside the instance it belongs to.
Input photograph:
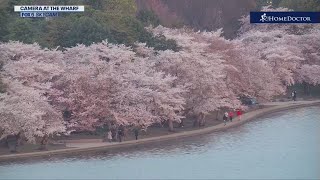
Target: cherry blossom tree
(25, 110)
(198, 69)
(28, 72)
(111, 83)
(279, 49)
(291, 50)
(33, 66)
(245, 72)
(309, 74)
(309, 70)
(250, 76)
(241, 70)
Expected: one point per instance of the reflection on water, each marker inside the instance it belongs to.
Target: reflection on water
(281, 145)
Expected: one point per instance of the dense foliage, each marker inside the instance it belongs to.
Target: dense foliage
(115, 20)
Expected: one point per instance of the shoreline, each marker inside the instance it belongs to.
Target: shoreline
(269, 108)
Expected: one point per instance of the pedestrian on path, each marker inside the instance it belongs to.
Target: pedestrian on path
(294, 95)
(239, 114)
(225, 118)
(120, 133)
(109, 136)
(230, 116)
(136, 132)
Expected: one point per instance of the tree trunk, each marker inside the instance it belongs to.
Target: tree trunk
(44, 143)
(12, 142)
(308, 89)
(196, 121)
(1, 132)
(170, 123)
(108, 125)
(182, 123)
(116, 134)
(202, 120)
(125, 132)
(217, 116)
(162, 123)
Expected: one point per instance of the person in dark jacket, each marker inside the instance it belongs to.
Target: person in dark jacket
(225, 118)
(136, 132)
(121, 133)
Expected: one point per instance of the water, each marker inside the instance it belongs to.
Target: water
(281, 146)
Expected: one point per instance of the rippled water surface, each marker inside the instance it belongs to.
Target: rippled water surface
(283, 145)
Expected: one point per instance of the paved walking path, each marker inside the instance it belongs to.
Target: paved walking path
(285, 103)
(77, 146)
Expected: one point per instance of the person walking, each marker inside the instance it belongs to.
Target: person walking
(294, 95)
(225, 118)
(109, 136)
(230, 116)
(120, 133)
(239, 114)
(136, 132)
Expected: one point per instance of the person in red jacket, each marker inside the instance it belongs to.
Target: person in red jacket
(239, 114)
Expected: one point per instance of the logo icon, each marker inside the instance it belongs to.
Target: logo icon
(263, 17)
